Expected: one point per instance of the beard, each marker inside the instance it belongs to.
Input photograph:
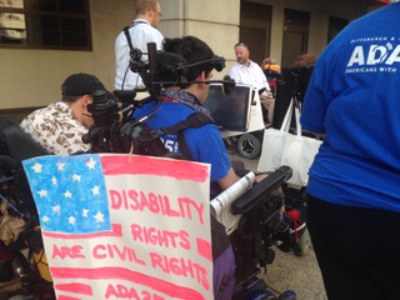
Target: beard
(242, 61)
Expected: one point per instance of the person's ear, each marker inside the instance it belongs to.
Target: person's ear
(85, 101)
(201, 77)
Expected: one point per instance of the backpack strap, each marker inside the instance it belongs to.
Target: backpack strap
(195, 120)
(128, 37)
(127, 34)
(183, 147)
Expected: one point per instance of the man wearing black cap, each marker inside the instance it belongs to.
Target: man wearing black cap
(60, 126)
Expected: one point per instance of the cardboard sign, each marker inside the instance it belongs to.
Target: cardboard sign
(124, 227)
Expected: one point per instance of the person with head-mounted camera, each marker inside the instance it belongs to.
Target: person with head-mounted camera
(203, 144)
(172, 122)
(175, 104)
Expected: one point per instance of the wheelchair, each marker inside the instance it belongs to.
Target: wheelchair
(23, 260)
(260, 226)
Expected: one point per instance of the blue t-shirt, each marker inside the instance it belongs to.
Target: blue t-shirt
(204, 143)
(354, 98)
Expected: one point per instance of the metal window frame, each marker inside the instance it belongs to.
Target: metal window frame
(58, 14)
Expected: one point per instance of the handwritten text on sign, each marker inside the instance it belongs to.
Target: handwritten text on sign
(124, 227)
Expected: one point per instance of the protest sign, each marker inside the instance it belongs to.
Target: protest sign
(124, 226)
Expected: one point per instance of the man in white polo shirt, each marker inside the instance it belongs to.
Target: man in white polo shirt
(248, 72)
(140, 32)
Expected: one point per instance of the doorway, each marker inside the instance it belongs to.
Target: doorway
(295, 35)
(255, 29)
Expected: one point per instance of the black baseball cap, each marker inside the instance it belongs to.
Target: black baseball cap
(81, 84)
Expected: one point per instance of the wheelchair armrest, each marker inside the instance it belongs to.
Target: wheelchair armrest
(257, 195)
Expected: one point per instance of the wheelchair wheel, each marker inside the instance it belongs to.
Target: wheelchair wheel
(249, 146)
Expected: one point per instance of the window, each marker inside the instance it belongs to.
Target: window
(45, 24)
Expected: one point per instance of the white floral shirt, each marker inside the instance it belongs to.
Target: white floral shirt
(55, 129)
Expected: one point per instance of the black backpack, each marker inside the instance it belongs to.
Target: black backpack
(146, 141)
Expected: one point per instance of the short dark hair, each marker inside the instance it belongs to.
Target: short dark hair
(70, 99)
(192, 50)
(80, 84)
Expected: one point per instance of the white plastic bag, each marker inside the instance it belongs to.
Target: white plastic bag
(273, 144)
(283, 148)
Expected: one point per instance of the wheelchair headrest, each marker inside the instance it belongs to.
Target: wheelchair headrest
(15, 143)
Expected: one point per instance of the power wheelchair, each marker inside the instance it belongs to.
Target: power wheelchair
(260, 226)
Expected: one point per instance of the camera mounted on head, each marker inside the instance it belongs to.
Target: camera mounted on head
(114, 130)
(165, 69)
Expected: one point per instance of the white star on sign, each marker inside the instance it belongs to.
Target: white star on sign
(99, 217)
(45, 219)
(37, 168)
(76, 178)
(96, 190)
(60, 166)
(91, 163)
(57, 209)
(71, 220)
(85, 213)
(42, 193)
(67, 194)
(54, 180)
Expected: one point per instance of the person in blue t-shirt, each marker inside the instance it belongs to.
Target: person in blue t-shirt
(354, 187)
(204, 143)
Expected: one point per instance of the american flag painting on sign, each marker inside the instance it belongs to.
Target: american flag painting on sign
(70, 195)
(124, 227)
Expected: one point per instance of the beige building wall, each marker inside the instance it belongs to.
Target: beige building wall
(320, 11)
(215, 22)
(31, 78)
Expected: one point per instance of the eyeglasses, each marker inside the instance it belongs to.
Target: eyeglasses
(158, 12)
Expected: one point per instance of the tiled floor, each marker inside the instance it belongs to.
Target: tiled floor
(291, 272)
